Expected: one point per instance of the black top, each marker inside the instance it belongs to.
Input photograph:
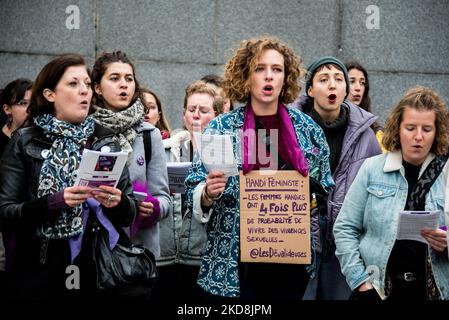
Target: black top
(334, 132)
(408, 255)
(4, 139)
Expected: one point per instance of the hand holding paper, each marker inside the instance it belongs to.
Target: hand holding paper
(436, 238)
(411, 223)
(215, 183)
(145, 209)
(100, 168)
(109, 197)
(216, 153)
(74, 196)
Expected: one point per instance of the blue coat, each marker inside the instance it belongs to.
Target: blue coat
(219, 268)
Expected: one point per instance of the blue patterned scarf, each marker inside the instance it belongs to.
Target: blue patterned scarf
(59, 170)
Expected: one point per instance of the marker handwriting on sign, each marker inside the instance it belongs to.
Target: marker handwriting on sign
(274, 208)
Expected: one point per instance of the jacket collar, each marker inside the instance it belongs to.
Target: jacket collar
(393, 161)
(236, 117)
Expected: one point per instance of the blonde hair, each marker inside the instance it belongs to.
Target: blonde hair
(201, 86)
(418, 98)
(244, 61)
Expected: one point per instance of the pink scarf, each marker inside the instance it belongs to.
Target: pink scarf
(294, 153)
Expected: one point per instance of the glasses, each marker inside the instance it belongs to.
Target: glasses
(22, 103)
(202, 109)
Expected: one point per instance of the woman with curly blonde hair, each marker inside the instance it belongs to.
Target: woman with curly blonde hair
(407, 178)
(263, 74)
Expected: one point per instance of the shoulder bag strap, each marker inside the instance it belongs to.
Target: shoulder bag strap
(147, 145)
(425, 182)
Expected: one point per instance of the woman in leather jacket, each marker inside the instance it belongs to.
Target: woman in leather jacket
(40, 209)
(14, 99)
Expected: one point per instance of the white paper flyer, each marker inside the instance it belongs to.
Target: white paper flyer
(100, 168)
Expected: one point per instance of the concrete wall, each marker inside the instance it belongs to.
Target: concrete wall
(175, 42)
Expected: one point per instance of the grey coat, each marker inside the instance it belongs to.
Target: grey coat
(156, 176)
(359, 143)
(183, 238)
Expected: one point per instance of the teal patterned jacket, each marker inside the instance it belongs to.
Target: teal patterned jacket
(219, 268)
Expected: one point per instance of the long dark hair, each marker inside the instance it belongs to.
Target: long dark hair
(162, 124)
(100, 66)
(49, 78)
(13, 93)
(365, 104)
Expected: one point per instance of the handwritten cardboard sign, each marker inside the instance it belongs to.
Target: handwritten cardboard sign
(275, 217)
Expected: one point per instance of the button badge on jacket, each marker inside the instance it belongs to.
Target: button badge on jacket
(140, 160)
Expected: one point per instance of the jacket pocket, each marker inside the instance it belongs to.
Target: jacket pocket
(380, 203)
(381, 191)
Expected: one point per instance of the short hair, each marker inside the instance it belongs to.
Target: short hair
(217, 81)
(214, 79)
(48, 78)
(13, 93)
(419, 98)
(162, 124)
(244, 61)
(99, 69)
(202, 87)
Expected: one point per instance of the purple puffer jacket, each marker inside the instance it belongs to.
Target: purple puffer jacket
(359, 143)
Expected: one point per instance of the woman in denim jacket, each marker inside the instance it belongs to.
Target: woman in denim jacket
(372, 259)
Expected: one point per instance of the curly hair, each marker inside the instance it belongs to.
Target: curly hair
(239, 67)
(419, 98)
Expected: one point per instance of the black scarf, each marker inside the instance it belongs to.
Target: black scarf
(334, 132)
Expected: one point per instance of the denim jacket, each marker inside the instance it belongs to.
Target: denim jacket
(219, 267)
(365, 230)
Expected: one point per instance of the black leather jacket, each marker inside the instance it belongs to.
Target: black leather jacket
(20, 209)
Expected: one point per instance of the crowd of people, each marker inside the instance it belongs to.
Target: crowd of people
(369, 176)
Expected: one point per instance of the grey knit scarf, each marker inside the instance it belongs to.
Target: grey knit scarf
(123, 123)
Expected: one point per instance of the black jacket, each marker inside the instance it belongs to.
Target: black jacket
(20, 208)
